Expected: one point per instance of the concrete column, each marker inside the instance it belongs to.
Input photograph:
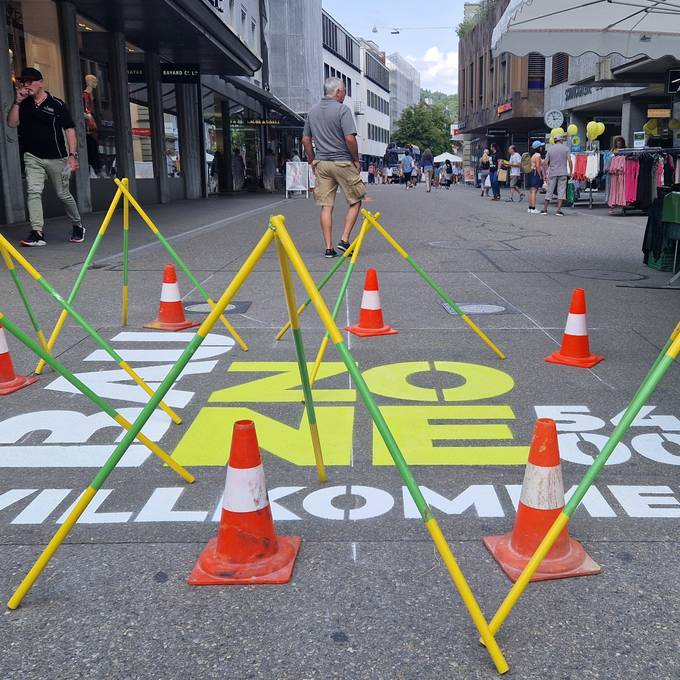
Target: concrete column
(228, 186)
(74, 98)
(11, 184)
(155, 98)
(125, 160)
(190, 139)
(632, 119)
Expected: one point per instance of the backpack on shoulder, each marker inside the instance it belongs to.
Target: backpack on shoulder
(525, 163)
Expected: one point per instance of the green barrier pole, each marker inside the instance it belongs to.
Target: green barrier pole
(639, 400)
(93, 396)
(9, 263)
(139, 423)
(180, 263)
(81, 276)
(69, 309)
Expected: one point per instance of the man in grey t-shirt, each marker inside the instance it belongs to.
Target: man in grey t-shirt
(558, 161)
(335, 162)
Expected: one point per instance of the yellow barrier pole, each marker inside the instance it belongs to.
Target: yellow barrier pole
(435, 287)
(289, 290)
(442, 546)
(80, 278)
(319, 286)
(46, 285)
(365, 226)
(180, 263)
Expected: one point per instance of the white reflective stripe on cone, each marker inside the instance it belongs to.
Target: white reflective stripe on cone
(370, 299)
(3, 342)
(576, 324)
(245, 490)
(542, 488)
(170, 292)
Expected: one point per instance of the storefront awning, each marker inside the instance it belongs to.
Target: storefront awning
(188, 31)
(271, 100)
(630, 28)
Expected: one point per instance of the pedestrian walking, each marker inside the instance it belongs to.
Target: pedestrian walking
(371, 173)
(535, 176)
(406, 166)
(448, 173)
(427, 166)
(558, 163)
(336, 163)
(47, 138)
(437, 176)
(494, 161)
(484, 164)
(515, 162)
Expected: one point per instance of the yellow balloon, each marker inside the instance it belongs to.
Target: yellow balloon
(551, 140)
(590, 128)
(674, 124)
(553, 132)
(559, 132)
(572, 130)
(601, 129)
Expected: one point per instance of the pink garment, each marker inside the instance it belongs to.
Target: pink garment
(617, 192)
(630, 179)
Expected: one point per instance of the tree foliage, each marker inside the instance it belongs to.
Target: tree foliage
(447, 103)
(425, 126)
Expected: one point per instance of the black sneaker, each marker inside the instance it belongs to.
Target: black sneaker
(342, 245)
(35, 238)
(330, 253)
(544, 212)
(77, 234)
(559, 213)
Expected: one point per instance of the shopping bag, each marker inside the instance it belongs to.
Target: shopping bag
(487, 182)
(571, 193)
(502, 175)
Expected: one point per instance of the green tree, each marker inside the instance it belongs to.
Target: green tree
(425, 126)
(447, 103)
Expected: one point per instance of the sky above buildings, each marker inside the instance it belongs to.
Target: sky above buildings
(434, 52)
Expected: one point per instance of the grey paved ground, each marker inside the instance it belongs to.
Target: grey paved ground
(369, 597)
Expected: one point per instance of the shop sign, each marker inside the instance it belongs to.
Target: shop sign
(503, 108)
(673, 81)
(180, 73)
(136, 73)
(658, 113)
(639, 139)
(497, 132)
(255, 121)
(141, 132)
(577, 91)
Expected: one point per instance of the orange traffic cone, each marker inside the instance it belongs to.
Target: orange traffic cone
(9, 380)
(247, 549)
(171, 312)
(575, 350)
(542, 500)
(370, 315)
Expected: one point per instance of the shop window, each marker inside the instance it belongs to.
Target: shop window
(326, 71)
(97, 103)
(141, 124)
(253, 29)
(349, 87)
(560, 68)
(536, 71)
(173, 162)
(33, 35)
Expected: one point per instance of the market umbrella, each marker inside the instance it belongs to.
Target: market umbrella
(446, 156)
(630, 28)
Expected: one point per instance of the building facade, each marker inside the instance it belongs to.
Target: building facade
(404, 87)
(166, 113)
(500, 99)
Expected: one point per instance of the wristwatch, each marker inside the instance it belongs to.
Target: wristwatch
(75, 155)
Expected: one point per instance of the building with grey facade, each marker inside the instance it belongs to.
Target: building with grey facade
(404, 86)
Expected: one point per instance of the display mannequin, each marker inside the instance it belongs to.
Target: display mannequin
(91, 83)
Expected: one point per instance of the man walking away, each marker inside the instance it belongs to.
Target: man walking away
(406, 165)
(558, 162)
(427, 165)
(515, 173)
(336, 163)
(42, 120)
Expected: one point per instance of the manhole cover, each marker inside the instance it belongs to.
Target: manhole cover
(606, 275)
(472, 308)
(234, 307)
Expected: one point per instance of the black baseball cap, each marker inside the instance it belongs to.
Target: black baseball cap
(30, 74)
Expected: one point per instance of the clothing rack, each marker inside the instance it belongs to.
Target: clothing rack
(589, 152)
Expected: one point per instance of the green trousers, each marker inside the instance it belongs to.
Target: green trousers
(36, 171)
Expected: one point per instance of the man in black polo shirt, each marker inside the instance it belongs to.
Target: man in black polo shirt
(43, 120)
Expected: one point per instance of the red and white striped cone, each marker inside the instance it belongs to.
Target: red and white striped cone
(171, 311)
(542, 500)
(370, 315)
(575, 349)
(9, 380)
(247, 549)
